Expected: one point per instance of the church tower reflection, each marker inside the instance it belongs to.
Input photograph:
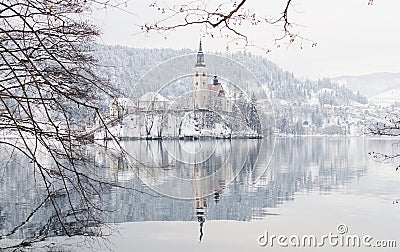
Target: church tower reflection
(200, 198)
(208, 181)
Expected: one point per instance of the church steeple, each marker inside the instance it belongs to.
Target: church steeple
(200, 47)
(200, 57)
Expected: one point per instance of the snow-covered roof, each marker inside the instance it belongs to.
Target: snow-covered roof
(122, 101)
(152, 96)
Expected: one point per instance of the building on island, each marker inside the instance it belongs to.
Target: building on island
(152, 101)
(207, 95)
(205, 111)
(120, 106)
(204, 95)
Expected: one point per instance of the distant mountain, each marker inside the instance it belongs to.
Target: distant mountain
(387, 98)
(371, 84)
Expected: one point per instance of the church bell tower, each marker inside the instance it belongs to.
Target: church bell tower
(200, 71)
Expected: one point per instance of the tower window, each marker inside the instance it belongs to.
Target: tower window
(197, 83)
(204, 74)
(197, 74)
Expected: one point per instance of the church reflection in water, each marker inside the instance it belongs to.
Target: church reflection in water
(165, 186)
(202, 167)
(229, 188)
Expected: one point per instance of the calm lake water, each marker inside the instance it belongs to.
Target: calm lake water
(310, 186)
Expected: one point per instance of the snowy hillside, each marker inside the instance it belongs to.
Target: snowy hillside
(125, 65)
(300, 106)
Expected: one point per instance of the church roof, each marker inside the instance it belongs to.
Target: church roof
(200, 57)
(217, 88)
(152, 96)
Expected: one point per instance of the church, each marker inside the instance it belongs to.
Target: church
(207, 95)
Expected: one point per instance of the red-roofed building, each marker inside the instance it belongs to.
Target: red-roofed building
(208, 95)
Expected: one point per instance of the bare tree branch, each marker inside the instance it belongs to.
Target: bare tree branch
(225, 20)
(48, 84)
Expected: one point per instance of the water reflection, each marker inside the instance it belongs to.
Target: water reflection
(192, 169)
(300, 164)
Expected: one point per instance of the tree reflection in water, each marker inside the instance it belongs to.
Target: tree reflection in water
(303, 164)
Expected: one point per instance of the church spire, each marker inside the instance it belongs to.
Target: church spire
(200, 57)
(200, 47)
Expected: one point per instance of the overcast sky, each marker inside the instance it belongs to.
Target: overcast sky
(353, 38)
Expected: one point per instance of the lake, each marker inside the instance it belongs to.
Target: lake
(234, 195)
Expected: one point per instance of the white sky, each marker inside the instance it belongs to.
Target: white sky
(353, 38)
